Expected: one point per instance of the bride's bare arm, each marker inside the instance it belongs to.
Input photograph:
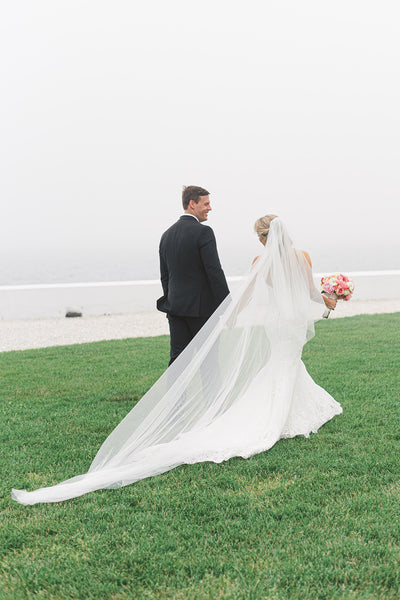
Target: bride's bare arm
(329, 302)
(307, 257)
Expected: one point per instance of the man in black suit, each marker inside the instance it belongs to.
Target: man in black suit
(193, 281)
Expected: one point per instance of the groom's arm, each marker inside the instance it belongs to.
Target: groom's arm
(164, 275)
(212, 266)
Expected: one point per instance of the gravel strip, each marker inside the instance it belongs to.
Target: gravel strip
(39, 333)
(27, 334)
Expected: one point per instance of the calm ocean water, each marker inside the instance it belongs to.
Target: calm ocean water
(75, 269)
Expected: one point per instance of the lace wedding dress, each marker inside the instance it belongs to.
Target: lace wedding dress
(236, 389)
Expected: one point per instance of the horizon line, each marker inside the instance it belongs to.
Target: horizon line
(139, 282)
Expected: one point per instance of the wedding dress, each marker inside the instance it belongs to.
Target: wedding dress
(236, 389)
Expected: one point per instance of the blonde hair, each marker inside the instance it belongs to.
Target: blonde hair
(262, 225)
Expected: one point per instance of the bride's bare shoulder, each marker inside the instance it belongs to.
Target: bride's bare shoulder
(307, 257)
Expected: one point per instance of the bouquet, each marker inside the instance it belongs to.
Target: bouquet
(336, 286)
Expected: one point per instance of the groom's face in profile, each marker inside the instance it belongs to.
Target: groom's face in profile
(201, 209)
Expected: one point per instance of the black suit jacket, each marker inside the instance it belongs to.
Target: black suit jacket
(193, 281)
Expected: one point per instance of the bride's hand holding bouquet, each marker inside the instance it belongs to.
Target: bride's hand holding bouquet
(335, 287)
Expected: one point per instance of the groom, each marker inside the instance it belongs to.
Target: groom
(193, 281)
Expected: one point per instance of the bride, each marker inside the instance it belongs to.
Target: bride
(236, 389)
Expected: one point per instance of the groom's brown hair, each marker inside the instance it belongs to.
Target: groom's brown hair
(192, 192)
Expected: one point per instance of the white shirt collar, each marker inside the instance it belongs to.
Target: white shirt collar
(190, 215)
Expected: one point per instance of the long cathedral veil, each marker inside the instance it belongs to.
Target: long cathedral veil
(262, 326)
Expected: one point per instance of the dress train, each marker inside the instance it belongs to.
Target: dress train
(238, 388)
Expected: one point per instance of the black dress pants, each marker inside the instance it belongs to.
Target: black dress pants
(182, 331)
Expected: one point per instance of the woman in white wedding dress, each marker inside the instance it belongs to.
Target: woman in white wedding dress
(236, 389)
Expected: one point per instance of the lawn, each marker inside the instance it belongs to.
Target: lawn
(310, 519)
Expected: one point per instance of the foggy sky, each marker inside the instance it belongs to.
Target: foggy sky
(109, 108)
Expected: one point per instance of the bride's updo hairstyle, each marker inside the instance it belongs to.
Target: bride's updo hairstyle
(262, 225)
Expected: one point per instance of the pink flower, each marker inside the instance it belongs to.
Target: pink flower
(338, 284)
(328, 288)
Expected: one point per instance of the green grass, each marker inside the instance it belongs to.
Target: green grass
(310, 519)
